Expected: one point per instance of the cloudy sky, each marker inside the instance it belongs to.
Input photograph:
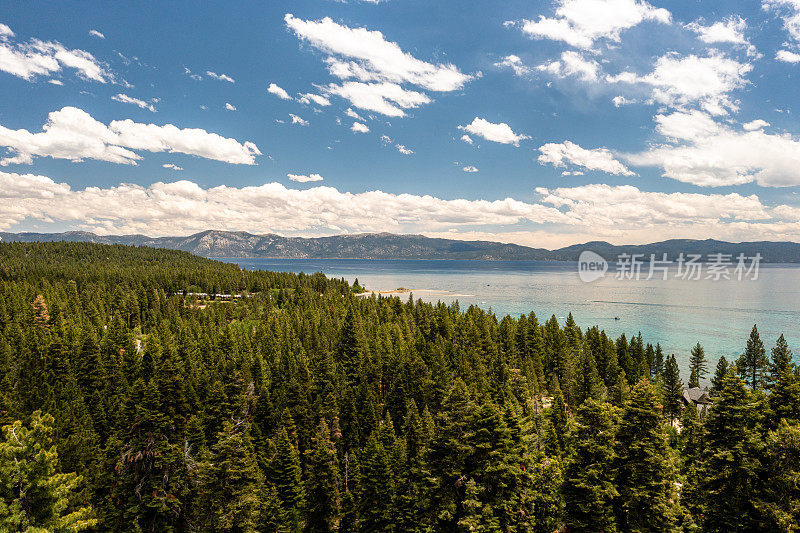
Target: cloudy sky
(541, 123)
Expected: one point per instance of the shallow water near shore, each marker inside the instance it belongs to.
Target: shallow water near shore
(677, 313)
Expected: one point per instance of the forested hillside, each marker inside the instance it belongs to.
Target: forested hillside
(132, 403)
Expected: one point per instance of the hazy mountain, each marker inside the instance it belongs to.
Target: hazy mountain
(390, 246)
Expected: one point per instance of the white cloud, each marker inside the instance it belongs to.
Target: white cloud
(569, 153)
(298, 120)
(756, 124)
(499, 133)
(55, 82)
(301, 178)
(707, 153)
(469, 168)
(307, 98)
(277, 91)
(183, 207)
(467, 139)
(787, 56)
(367, 56)
(221, 77)
(230, 107)
(790, 14)
(73, 134)
(385, 98)
(38, 58)
(172, 166)
(692, 80)
(620, 101)
(95, 33)
(580, 23)
(352, 114)
(403, 149)
(730, 30)
(125, 99)
(358, 127)
(572, 64)
(514, 63)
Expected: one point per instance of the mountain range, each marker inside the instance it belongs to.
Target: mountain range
(214, 243)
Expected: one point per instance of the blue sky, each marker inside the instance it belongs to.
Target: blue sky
(542, 123)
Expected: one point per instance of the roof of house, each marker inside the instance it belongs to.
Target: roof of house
(696, 395)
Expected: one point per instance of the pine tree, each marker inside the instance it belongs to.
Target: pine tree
(230, 483)
(781, 361)
(698, 366)
(589, 485)
(730, 469)
(779, 501)
(645, 465)
(558, 422)
(322, 489)
(673, 389)
(589, 384)
(719, 375)
(753, 362)
(693, 448)
(376, 487)
(286, 476)
(35, 496)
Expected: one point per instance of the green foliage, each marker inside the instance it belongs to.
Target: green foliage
(35, 495)
(294, 405)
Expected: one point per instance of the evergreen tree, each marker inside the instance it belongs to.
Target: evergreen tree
(230, 483)
(719, 375)
(35, 496)
(286, 476)
(730, 470)
(645, 466)
(558, 422)
(673, 389)
(589, 485)
(698, 366)
(781, 361)
(376, 487)
(322, 492)
(779, 502)
(753, 362)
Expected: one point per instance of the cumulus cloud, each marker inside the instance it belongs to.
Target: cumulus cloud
(580, 23)
(569, 153)
(708, 153)
(787, 56)
(40, 58)
(620, 101)
(125, 99)
(385, 98)
(368, 56)
(73, 134)
(172, 166)
(756, 124)
(469, 168)
(277, 91)
(221, 77)
(730, 30)
(692, 80)
(185, 207)
(301, 178)
(499, 133)
(572, 64)
(308, 98)
(358, 127)
(352, 114)
(789, 11)
(514, 63)
(230, 107)
(375, 68)
(95, 33)
(298, 120)
(467, 139)
(403, 149)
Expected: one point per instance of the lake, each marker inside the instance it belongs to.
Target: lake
(675, 312)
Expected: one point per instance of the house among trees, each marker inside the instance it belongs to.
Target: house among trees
(699, 397)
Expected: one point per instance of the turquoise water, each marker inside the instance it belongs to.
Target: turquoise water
(677, 313)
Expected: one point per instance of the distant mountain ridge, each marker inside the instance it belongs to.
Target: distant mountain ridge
(215, 243)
